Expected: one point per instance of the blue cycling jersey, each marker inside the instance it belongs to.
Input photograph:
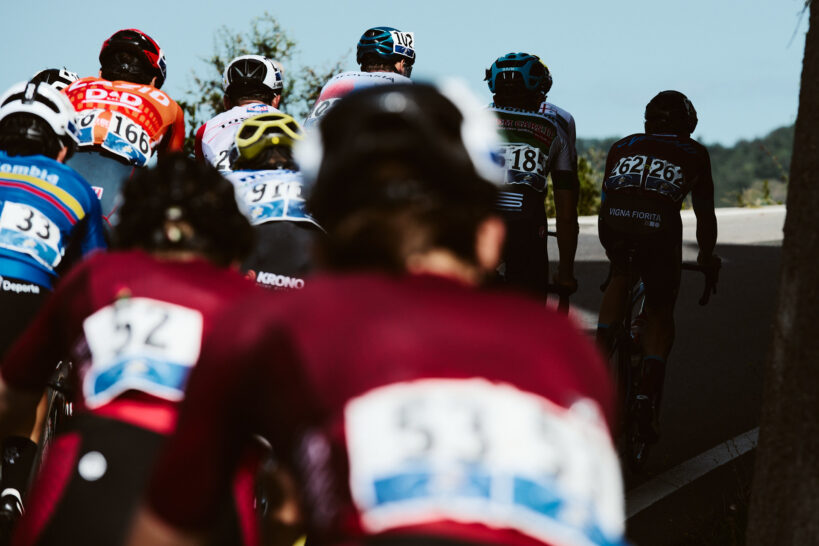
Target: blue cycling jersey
(44, 208)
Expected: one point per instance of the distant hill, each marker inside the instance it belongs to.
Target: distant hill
(749, 172)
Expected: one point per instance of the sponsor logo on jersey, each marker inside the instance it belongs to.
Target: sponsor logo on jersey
(275, 281)
(30, 170)
(18, 287)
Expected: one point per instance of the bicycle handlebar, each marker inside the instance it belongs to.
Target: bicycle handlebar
(711, 272)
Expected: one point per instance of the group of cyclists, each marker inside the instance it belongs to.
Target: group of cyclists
(404, 374)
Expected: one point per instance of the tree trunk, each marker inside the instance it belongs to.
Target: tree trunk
(785, 497)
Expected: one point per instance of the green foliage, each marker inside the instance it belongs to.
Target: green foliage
(266, 37)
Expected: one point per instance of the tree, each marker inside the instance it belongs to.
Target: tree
(588, 201)
(203, 98)
(784, 503)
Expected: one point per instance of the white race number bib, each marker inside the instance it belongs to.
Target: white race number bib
(25, 229)
(474, 451)
(142, 344)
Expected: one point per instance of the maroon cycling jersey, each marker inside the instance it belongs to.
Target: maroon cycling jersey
(133, 326)
(407, 405)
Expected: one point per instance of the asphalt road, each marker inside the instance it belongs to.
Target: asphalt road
(714, 379)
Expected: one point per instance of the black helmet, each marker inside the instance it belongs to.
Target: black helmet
(133, 56)
(443, 152)
(671, 112)
(59, 78)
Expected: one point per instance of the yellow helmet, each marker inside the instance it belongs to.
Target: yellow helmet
(264, 131)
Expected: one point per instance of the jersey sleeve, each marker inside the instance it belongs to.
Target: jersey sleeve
(197, 145)
(177, 131)
(560, 157)
(94, 236)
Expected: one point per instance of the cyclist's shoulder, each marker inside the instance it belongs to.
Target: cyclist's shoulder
(553, 109)
(43, 168)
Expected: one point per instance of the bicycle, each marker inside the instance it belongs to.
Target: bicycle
(626, 360)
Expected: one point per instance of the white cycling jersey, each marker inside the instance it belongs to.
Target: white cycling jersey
(343, 83)
(270, 195)
(565, 122)
(215, 137)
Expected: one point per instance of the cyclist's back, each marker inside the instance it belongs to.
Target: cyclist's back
(385, 55)
(124, 118)
(270, 190)
(253, 85)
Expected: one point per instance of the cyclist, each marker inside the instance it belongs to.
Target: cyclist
(384, 54)
(49, 219)
(535, 147)
(132, 322)
(647, 177)
(253, 85)
(124, 118)
(270, 190)
(386, 384)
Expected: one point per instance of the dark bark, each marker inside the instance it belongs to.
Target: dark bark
(785, 498)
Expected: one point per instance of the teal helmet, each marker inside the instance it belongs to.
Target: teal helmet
(519, 68)
(387, 43)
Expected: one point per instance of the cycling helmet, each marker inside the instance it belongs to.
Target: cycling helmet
(131, 55)
(41, 100)
(59, 78)
(441, 136)
(388, 44)
(670, 111)
(519, 68)
(250, 74)
(264, 131)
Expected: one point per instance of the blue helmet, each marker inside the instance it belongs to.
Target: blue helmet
(387, 43)
(527, 69)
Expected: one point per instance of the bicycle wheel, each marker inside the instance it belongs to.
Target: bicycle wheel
(635, 447)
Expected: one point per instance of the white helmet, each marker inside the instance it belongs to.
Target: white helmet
(59, 78)
(252, 73)
(40, 99)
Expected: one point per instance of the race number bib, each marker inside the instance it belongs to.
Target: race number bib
(474, 451)
(661, 176)
(525, 164)
(116, 133)
(25, 229)
(319, 110)
(141, 344)
(266, 198)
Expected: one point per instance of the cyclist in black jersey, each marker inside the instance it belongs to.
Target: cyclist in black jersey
(646, 178)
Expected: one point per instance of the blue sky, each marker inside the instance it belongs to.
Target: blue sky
(738, 60)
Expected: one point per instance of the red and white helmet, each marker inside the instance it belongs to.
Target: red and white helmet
(144, 47)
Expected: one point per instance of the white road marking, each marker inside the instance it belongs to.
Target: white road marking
(658, 488)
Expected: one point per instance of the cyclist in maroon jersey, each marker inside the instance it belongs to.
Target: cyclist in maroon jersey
(413, 406)
(132, 322)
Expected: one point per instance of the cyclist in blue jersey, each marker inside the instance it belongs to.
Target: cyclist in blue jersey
(646, 178)
(269, 188)
(385, 55)
(49, 219)
(535, 148)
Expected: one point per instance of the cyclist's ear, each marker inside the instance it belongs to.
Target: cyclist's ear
(489, 238)
(153, 81)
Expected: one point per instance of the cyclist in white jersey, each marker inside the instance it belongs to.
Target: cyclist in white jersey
(385, 55)
(253, 85)
(270, 191)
